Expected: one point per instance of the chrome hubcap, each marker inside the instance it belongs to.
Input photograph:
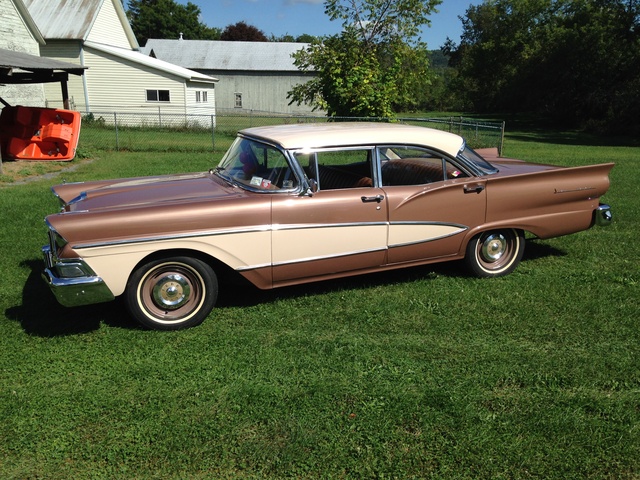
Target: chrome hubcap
(171, 291)
(494, 247)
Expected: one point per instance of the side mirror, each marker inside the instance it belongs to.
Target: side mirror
(313, 187)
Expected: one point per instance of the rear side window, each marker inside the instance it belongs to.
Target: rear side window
(415, 166)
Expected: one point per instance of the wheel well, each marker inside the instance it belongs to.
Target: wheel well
(222, 271)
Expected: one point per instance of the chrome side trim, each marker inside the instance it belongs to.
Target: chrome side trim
(320, 257)
(418, 242)
(304, 226)
(264, 228)
(256, 229)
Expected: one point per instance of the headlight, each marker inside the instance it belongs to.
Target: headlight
(73, 269)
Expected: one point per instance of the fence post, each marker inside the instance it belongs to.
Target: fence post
(501, 139)
(213, 132)
(115, 124)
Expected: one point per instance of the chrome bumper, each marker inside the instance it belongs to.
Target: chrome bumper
(603, 215)
(73, 282)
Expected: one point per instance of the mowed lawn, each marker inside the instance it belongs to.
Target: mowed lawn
(420, 373)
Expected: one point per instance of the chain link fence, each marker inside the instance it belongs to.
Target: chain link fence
(201, 133)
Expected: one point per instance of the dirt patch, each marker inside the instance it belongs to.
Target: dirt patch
(20, 172)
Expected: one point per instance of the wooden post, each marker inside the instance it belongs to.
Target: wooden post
(65, 95)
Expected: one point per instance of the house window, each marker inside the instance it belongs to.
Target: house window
(238, 103)
(201, 96)
(158, 96)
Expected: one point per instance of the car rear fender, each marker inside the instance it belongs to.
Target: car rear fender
(547, 203)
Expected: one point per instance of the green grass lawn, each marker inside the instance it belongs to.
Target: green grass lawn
(425, 372)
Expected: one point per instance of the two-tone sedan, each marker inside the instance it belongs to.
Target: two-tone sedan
(300, 203)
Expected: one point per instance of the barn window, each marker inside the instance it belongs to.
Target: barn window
(201, 96)
(158, 96)
(238, 100)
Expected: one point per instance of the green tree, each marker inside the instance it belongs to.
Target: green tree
(372, 67)
(167, 19)
(575, 61)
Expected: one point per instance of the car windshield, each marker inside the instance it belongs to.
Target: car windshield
(471, 156)
(257, 166)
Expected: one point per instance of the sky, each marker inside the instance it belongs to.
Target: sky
(295, 17)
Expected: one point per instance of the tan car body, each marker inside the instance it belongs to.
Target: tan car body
(280, 236)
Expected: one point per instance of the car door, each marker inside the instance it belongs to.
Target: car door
(341, 227)
(432, 202)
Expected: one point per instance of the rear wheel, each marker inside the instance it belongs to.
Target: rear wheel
(495, 253)
(172, 293)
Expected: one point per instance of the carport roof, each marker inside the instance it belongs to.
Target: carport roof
(18, 67)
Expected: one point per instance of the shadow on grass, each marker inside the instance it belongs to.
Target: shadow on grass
(40, 314)
(572, 138)
(246, 295)
(534, 249)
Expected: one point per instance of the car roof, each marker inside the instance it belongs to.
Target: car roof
(342, 134)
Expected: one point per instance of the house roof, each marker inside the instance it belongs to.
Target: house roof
(72, 19)
(17, 67)
(141, 59)
(221, 55)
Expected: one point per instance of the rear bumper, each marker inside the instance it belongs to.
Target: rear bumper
(603, 215)
(72, 281)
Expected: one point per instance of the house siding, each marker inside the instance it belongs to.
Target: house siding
(70, 52)
(103, 31)
(129, 95)
(202, 110)
(16, 36)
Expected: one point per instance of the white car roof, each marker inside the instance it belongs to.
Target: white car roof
(342, 134)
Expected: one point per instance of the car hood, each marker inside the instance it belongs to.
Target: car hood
(131, 192)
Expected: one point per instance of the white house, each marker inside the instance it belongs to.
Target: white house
(254, 76)
(96, 34)
(19, 33)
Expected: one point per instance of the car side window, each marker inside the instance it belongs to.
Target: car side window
(336, 169)
(414, 166)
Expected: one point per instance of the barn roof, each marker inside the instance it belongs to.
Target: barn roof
(221, 55)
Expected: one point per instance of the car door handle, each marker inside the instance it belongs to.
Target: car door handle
(377, 199)
(473, 188)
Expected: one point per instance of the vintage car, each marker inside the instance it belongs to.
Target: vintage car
(299, 203)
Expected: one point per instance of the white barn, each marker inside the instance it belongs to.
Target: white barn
(96, 34)
(254, 76)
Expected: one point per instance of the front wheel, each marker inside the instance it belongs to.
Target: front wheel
(172, 293)
(495, 253)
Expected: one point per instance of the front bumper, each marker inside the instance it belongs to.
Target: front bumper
(73, 282)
